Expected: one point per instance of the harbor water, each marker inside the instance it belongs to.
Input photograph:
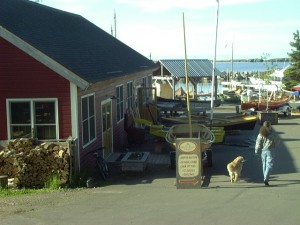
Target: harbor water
(241, 67)
(249, 67)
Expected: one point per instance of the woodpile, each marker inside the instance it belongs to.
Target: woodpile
(31, 164)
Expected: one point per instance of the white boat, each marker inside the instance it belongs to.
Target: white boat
(231, 86)
(295, 104)
(199, 131)
(276, 79)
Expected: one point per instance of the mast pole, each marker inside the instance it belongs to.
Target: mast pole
(232, 58)
(213, 85)
(187, 82)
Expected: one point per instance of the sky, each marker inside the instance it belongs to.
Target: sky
(156, 28)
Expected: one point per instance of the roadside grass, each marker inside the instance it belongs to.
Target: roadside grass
(17, 192)
(77, 182)
(51, 185)
(6, 192)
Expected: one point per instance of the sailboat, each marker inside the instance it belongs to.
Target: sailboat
(189, 130)
(217, 125)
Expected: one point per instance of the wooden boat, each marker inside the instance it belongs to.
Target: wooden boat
(179, 92)
(272, 104)
(182, 103)
(199, 131)
(161, 130)
(236, 122)
(202, 94)
(175, 106)
(249, 105)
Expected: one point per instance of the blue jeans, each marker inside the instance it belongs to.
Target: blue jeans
(267, 158)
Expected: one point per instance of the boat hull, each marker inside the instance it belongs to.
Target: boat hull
(182, 103)
(239, 122)
(272, 104)
(295, 104)
(202, 133)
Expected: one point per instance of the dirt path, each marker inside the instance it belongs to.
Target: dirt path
(21, 204)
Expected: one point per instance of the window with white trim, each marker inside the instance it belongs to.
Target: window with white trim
(88, 119)
(120, 102)
(33, 118)
(130, 95)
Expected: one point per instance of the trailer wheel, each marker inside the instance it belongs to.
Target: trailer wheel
(287, 112)
(207, 158)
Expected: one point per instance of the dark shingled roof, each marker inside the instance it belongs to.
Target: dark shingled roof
(71, 40)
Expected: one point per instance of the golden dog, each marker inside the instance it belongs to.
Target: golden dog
(235, 168)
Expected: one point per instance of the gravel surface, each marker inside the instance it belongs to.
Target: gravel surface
(13, 205)
(31, 202)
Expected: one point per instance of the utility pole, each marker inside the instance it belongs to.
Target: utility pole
(115, 21)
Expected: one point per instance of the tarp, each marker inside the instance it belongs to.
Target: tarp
(297, 87)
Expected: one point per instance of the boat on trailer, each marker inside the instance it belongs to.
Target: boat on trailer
(235, 122)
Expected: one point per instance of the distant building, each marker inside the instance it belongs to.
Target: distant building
(171, 72)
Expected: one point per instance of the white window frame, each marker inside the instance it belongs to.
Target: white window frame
(31, 101)
(120, 102)
(88, 120)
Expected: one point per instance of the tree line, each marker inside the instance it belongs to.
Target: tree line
(292, 74)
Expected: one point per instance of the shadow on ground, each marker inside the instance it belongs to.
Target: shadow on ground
(241, 144)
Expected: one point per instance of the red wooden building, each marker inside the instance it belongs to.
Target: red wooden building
(61, 76)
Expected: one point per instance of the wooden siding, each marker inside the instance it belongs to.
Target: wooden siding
(103, 91)
(21, 76)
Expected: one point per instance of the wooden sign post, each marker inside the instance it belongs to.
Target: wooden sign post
(189, 163)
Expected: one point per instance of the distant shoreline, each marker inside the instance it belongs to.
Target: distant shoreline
(256, 60)
(250, 67)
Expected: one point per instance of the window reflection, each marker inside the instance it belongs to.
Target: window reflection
(43, 122)
(44, 112)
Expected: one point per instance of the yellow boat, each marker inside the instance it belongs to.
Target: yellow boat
(236, 122)
(161, 130)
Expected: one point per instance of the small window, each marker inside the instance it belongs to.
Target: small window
(88, 119)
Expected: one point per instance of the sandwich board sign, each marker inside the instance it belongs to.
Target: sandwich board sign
(188, 163)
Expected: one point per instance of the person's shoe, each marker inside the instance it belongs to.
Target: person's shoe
(266, 183)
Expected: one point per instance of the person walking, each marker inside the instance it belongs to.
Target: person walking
(266, 142)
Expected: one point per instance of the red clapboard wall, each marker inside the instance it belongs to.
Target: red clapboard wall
(21, 76)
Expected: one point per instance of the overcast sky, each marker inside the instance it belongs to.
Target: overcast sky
(252, 27)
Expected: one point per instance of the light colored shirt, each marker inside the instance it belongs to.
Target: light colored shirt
(266, 143)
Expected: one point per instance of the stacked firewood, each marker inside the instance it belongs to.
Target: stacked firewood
(31, 164)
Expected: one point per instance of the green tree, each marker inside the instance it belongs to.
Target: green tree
(270, 68)
(292, 74)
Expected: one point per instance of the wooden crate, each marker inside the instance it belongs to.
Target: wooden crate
(134, 164)
(268, 116)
